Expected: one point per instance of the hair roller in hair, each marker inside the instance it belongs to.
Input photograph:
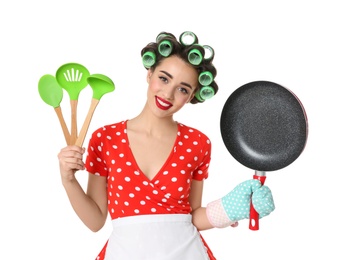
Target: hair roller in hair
(205, 93)
(205, 78)
(195, 56)
(165, 47)
(208, 53)
(148, 59)
(188, 38)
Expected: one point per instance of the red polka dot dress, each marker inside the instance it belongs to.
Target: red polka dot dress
(130, 192)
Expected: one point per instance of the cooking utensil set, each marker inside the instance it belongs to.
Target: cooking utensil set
(73, 78)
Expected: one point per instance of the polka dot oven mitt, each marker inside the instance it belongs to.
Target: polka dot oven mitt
(236, 204)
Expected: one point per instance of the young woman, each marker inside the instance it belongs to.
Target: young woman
(147, 172)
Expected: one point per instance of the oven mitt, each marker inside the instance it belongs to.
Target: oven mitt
(235, 205)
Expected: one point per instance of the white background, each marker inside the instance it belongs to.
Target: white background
(302, 45)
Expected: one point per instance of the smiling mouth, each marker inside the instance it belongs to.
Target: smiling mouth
(162, 104)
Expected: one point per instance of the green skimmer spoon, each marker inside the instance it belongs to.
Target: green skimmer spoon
(100, 85)
(52, 93)
(73, 78)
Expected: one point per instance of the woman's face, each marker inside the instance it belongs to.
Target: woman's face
(172, 84)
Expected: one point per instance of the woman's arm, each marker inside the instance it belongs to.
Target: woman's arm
(199, 216)
(91, 207)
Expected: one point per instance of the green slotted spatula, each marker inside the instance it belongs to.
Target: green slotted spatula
(73, 78)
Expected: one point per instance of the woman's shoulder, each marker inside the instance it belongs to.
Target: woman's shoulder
(113, 127)
(194, 132)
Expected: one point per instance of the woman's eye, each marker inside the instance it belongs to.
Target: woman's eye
(183, 90)
(164, 79)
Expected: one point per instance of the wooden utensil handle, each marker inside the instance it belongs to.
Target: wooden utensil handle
(254, 215)
(74, 124)
(85, 127)
(63, 124)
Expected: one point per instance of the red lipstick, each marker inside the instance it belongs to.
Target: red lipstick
(162, 104)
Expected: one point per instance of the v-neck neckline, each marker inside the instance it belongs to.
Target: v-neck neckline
(173, 149)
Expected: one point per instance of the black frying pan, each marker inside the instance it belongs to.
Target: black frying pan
(264, 127)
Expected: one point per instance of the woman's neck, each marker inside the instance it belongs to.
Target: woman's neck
(152, 125)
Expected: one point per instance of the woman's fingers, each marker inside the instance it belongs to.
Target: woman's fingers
(71, 158)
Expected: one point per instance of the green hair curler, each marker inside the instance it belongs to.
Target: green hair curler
(205, 78)
(148, 59)
(188, 38)
(195, 57)
(165, 48)
(205, 93)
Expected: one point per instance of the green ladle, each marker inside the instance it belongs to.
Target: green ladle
(73, 78)
(100, 85)
(52, 93)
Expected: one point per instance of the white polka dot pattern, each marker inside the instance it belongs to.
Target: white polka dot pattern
(263, 201)
(130, 192)
(237, 203)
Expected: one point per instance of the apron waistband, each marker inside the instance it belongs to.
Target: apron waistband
(151, 219)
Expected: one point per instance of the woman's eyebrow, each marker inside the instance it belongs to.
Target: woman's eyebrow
(170, 76)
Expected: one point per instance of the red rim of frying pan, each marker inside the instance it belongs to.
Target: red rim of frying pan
(264, 126)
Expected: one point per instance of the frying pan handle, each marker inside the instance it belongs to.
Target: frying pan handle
(254, 216)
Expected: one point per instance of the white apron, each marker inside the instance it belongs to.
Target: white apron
(155, 237)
